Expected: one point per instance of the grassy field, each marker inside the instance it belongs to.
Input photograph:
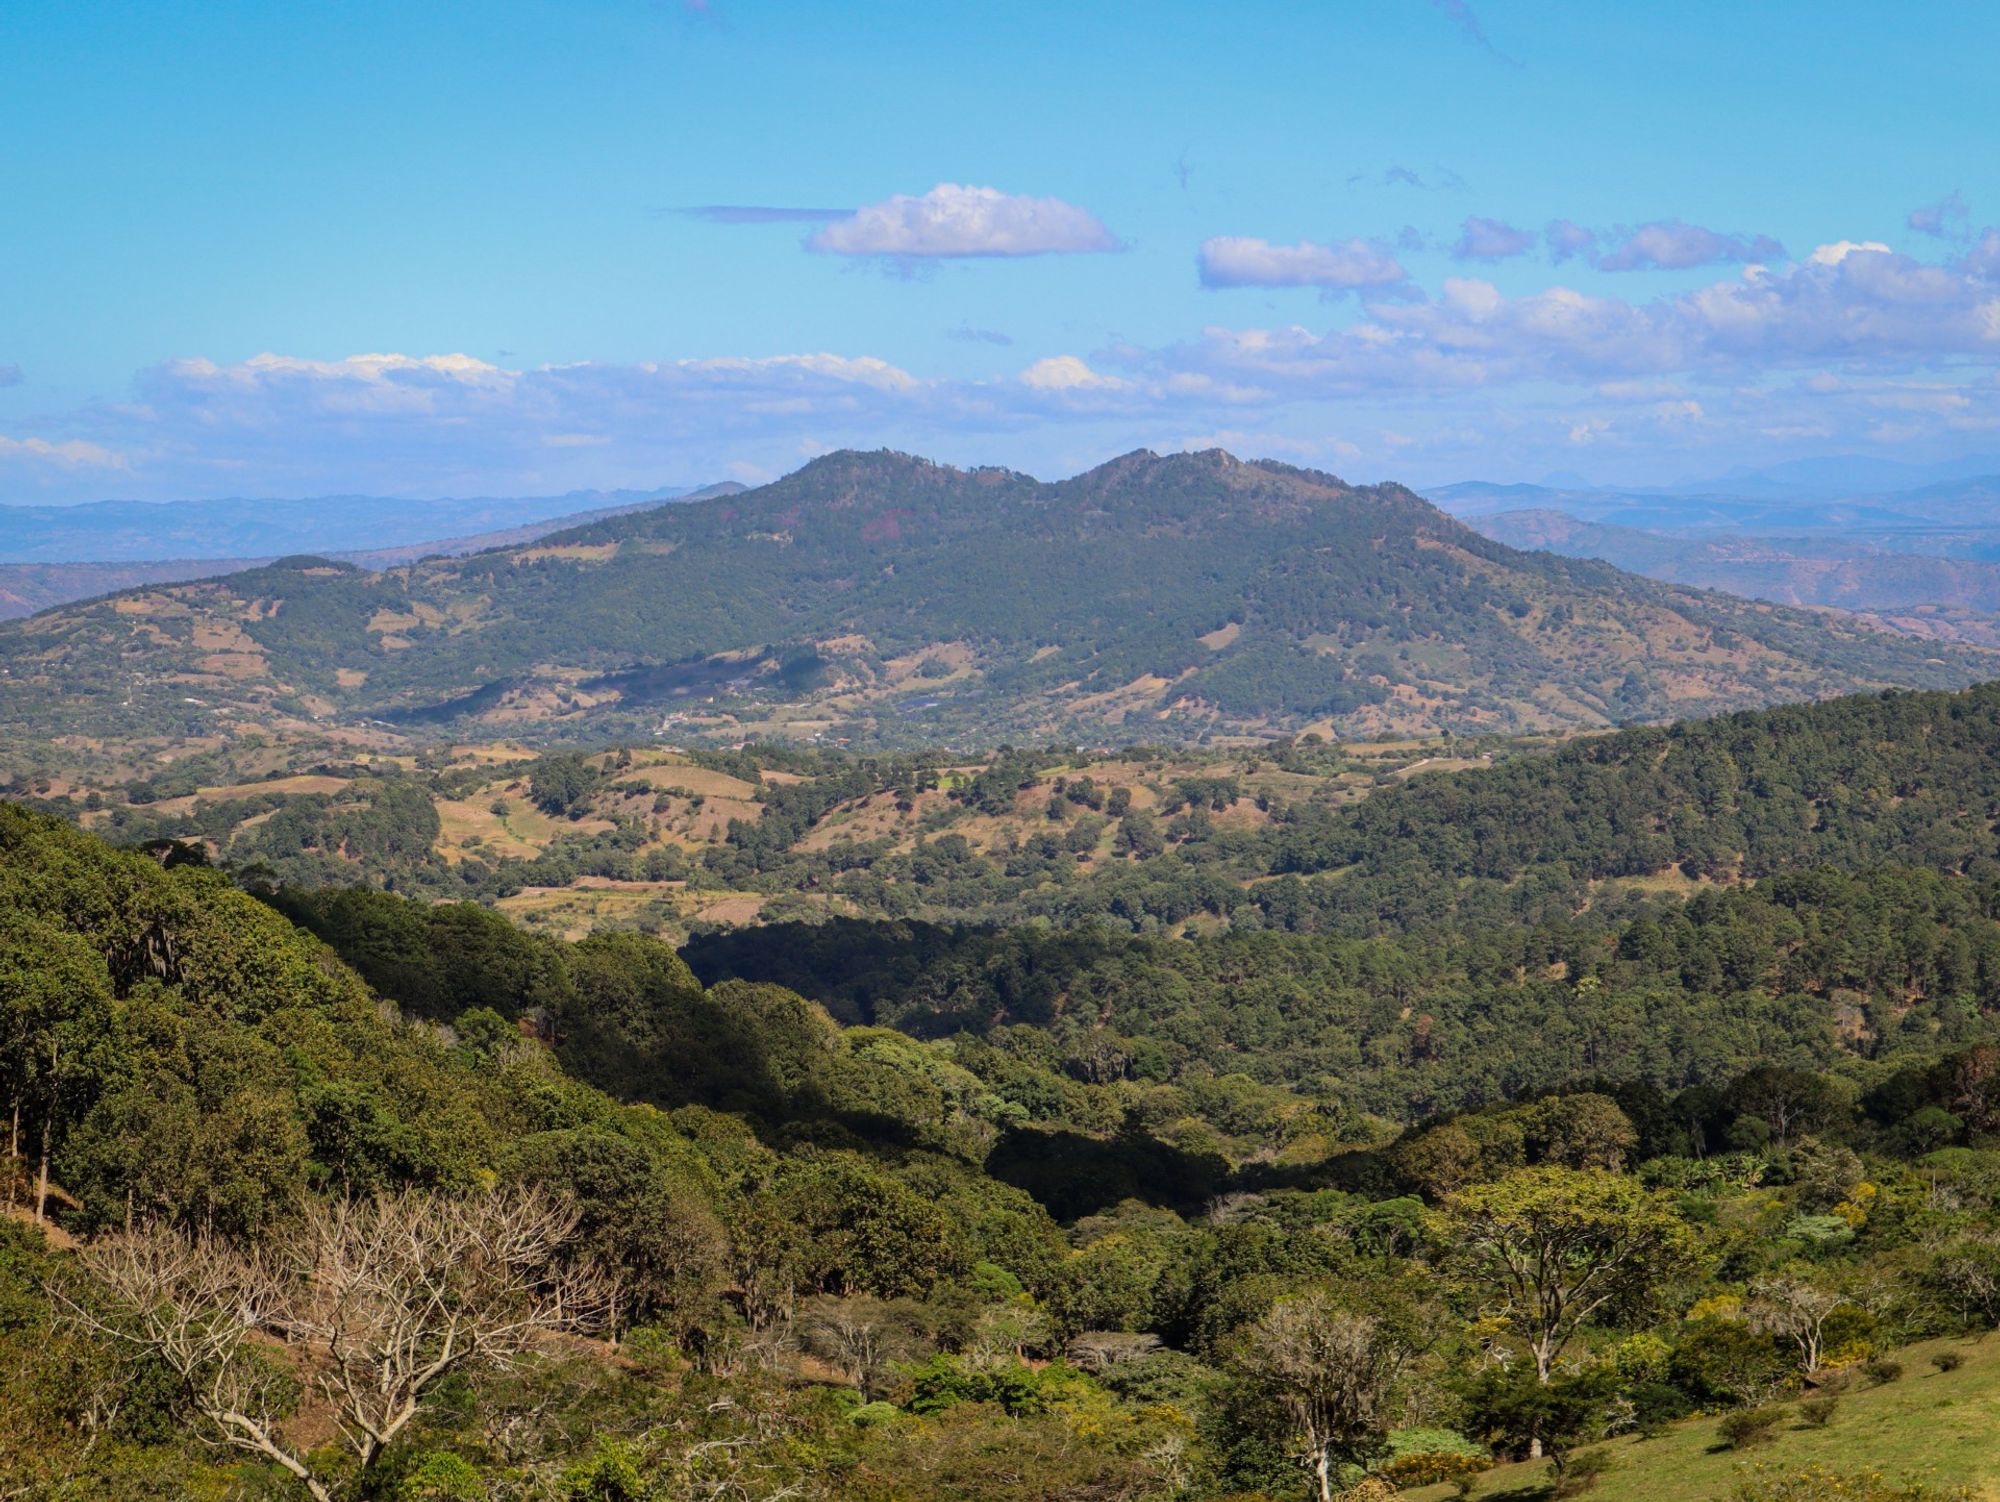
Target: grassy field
(1942, 1427)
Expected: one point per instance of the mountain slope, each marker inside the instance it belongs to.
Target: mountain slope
(881, 597)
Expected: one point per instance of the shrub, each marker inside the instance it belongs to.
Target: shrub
(1818, 1412)
(1655, 1406)
(1748, 1427)
(440, 1476)
(1882, 1369)
(1818, 1484)
(1429, 1467)
(1582, 1473)
(1948, 1361)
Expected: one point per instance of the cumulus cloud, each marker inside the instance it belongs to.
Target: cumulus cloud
(1670, 245)
(1853, 339)
(956, 221)
(1490, 240)
(757, 213)
(1068, 373)
(1340, 266)
(1870, 308)
(1840, 250)
(1947, 219)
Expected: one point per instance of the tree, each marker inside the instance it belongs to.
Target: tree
(1331, 1369)
(1514, 1409)
(861, 1335)
(1792, 1305)
(386, 1298)
(1785, 1100)
(1966, 1276)
(1553, 1246)
(55, 1034)
(1580, 1131)
(197, 1306)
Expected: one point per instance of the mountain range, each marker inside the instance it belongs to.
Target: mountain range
(884, 599)
(1956, 516)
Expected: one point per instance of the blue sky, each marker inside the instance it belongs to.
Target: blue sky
(438, 248)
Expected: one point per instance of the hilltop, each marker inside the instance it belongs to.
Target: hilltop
(882, 599)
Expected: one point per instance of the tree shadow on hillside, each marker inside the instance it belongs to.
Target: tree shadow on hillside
(1073, 1174)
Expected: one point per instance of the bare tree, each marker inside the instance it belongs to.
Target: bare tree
(1006, 1332)
(1098, 1351)
(1332, 1370)
(198, 1306)
(1797, 1308)
(386, 1297)
(861, 1335)
(402, 1290)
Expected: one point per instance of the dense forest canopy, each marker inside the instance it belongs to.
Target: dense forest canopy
(1215, 1179)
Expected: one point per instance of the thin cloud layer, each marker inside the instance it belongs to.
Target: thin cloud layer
(1340, 266)
(66, 454)
(1670, 245)
(956, 221)
(1947, 219)
(1490, 240)
(1662, 245)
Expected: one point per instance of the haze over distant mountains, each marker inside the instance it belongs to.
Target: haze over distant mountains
(1949, 515)
(878, 597)
(132, 533)
(1925, 557)
(237, 527)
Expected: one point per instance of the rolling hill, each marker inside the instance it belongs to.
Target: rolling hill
(883, 599)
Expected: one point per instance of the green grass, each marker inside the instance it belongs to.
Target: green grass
(1932, 1426)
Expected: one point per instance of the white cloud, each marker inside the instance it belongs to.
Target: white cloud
(1067, 373)
(864, 370)
(1856, 340)
(1840, 250)
(956, 221)
(1865, 305)
(1341, 266)
(73, 453)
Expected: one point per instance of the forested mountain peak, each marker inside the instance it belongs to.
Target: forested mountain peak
(880, 598)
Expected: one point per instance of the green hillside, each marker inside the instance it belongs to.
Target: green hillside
(773, 1255)
(1929, 1424)
(883, 599)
